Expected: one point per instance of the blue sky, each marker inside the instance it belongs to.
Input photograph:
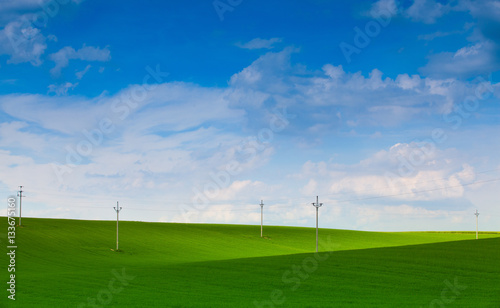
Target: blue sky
(195, 111)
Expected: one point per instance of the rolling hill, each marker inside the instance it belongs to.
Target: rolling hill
(71, 263)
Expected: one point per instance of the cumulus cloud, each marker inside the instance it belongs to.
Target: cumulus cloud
(86, 53)
(426, 11)
(23, 42)
(379, 100)
(406, 82)
(414, 171)
(362, 97)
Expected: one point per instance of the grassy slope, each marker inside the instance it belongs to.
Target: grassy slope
(62, 263)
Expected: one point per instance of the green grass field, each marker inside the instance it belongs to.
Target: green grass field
(70, 263)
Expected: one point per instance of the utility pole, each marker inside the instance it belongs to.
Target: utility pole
(317, 205)
(261, 216)
(477, 214)
(20, 195)
(117, 210)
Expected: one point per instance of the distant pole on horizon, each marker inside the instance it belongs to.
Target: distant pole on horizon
(477, 229)
(261, 216)
(117, 210)
(20, 195)
(317, 205)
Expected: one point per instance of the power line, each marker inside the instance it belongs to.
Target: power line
(417, 192)
(399, 186)
(107, 197)
(410, 193)
(79, 204)
(338, 201)
(403, 184)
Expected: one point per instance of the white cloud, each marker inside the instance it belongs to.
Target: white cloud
(162, 137)
(381, 101)
(468, 51)
(488, 11)
(266, 72)
(30, 5)
(334, 72)
(469, 61)
(22, 41)
(406, 82)
(242, 189)
(414, 171)
(52, 37)
(374, 100)
(23, 5)
(81, 73)
(54, 113)
(13, 10)
(384, 8)
(481, 57)
(378, 100)
(21, 36)
(180, 106)
(259, 43)
(427, 11)
(86, 53)
(311, 188)
(169, 107)
(62, 89)
(23, 169)
(170, 139)
(16, 135)
(432, 36)
(391, 215)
